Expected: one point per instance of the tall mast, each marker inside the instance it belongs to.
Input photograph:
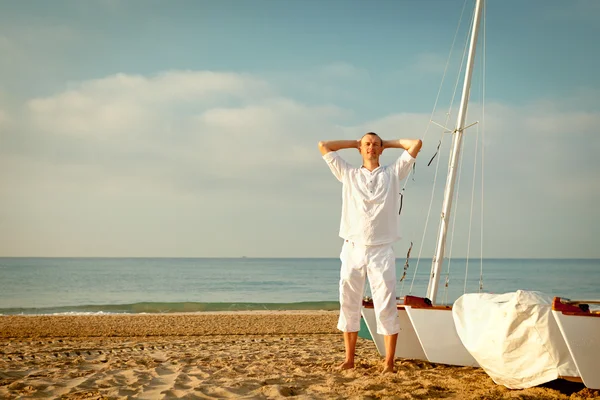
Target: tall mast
(436, 266)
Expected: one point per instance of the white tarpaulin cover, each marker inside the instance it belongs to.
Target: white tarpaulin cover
(513, 337)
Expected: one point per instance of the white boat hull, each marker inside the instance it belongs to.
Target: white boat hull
(581, 331)
(407, 346)
(437, 334)
(419, 337)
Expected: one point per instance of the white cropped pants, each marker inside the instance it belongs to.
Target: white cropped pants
(378, 263)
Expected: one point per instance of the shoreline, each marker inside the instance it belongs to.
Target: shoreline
(176, 313)
(171, 308)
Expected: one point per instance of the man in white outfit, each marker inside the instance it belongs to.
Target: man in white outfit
(369, 227)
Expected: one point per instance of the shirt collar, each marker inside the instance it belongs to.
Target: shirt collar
(363, 168)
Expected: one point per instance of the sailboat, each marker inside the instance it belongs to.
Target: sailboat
(567, 339)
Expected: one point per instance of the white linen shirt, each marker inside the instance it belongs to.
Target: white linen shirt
(370, 199)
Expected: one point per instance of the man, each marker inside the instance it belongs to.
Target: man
(369, 226)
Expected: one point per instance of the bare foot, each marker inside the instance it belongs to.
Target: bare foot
(346, 365)
(388, 369)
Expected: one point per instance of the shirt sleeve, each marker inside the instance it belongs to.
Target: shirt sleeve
(337, 165)
(403, 164)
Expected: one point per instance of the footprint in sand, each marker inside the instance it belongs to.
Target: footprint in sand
(198, 374)
(219, 392)
(275, 391)
(163, 381)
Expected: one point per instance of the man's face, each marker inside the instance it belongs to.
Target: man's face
(370, 147)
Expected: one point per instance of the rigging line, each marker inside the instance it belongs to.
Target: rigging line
(453, 98)
(443, 79)
(406, 262)
(440, 88)
(436, 153)
(437, 168)
(482, 86)
(424, 230)
(471, 212)
(446, 67)
(440, 143)
(456, 195)
(482, 151)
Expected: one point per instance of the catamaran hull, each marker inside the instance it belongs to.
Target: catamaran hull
(437, 335)
(407, 346)
(426, 334)
(514, 337)
(581, 331)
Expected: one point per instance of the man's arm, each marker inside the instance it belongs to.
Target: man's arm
(413, 146)
(335, 145)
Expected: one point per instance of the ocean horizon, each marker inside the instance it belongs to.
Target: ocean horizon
(110, 285)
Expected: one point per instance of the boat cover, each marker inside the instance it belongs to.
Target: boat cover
(513, 337)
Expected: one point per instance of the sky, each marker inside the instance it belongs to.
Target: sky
(190, 128)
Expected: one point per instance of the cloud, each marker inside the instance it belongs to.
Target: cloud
(129, 152)
(171, 163)
(565, 124)
(122, 103)
(171, 130)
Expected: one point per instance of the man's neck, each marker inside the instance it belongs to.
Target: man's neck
(370, 164)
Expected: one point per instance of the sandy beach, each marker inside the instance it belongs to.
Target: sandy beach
(253, 355)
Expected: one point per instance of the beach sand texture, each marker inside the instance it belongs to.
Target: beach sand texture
(253, 355)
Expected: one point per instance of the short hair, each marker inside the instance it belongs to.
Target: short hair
(372, 134)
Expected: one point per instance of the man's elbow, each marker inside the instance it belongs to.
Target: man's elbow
(415, 148)
(418, 145)
(323, 147)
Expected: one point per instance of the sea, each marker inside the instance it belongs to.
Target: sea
(42, 286)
